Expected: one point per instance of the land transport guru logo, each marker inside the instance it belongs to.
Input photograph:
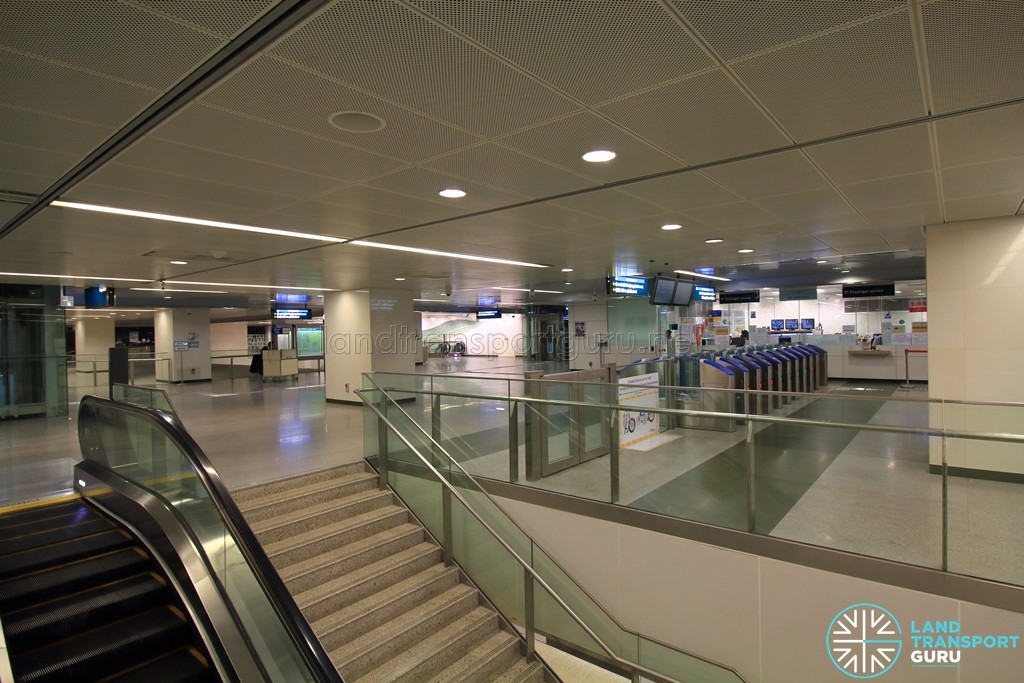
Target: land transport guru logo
(865, 641)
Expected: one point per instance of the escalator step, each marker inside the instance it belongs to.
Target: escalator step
(64, 617)
(37, 559)
(40, 515)
(104, 651)
(183, 666)
(34, 536)
(70, 578)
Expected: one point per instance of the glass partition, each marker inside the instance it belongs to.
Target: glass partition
(141, 450)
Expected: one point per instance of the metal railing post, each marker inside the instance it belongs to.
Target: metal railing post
(751, 483)
(446, 524)
(945, 508)
(382, 454)
(528, 612)
(613, 454)
(435, 424)
(513, 441)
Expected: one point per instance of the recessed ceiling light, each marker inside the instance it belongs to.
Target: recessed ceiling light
(238, 284)
(671, 226)
(164, 289)
(713, 240)
(899, 291)
(196, 221)
(356, 122)
(821, 261)
(599, 155)
(744, 251)
(179, 263)
(709, 277)
(452, 193)
(167, 297)
(566, 270)
(399, 279)
(844, 271)
(538, 291)
(434, 252)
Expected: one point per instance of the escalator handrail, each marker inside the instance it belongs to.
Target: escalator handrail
(295, 623)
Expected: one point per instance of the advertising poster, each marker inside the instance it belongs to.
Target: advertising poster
(636, 424)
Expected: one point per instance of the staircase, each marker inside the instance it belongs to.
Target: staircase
(80, 600)
(372, 583)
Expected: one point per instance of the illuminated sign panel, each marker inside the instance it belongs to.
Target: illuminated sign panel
(703, 293)
(627, 285)
(293, 313)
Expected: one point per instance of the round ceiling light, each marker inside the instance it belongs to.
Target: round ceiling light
(713, 240)
(356, 122)
(566, 270)
(399, 279)
(599, 155)
(671, 226)
(452, 193)
(821, 261)
(179, 263)
(744, 251)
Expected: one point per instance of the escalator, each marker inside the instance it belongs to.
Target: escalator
(82, 600)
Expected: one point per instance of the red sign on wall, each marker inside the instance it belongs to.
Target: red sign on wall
(918, 305)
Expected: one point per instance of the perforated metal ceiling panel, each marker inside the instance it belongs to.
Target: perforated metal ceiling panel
(389, 50)
(988, 206)
(974, 138)
(894, 152)
(972, 45)
(805, 205)
(579, 46)
(993, 177)
(501, 167)
(777, 174)
(852, 79)
(223, 18)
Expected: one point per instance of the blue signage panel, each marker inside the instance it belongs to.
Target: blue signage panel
(703, 293)
(628, 285)
(293, 313)
(488, 314)
(290, 298)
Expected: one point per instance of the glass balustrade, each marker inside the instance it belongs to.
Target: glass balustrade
(853, 470)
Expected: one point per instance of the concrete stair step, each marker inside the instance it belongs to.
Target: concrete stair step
(523, 671)
(337, 627)
(418, 646)
(279, 503)
(305, 545)
(314, 517)
(379, 576)
(248, 493)
(485, 662)
(323, 567)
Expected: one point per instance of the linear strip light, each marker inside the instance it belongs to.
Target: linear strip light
(77, 277)
(233, 284)
(449, 254)
(195, 221)
(192, 291)
(709, 277)
(538, 291)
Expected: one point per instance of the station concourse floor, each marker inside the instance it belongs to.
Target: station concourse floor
(255, 431)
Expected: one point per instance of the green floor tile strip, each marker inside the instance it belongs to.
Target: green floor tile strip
(789, 459)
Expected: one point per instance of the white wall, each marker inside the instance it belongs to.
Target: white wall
(183, 324)
(94, 336)
(765, 618)
(976, 334)
(585, 352)
(394, 327)
(229, 337)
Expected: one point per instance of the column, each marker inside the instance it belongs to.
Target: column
(183, 335)
(976, 338)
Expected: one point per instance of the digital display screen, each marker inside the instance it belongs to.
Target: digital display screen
(684, 291)
(664, 290)
(488, 314)
(703, 293)
(293, 313)
(752, 296)
(792, 324)
(99, 297)
(806, 323)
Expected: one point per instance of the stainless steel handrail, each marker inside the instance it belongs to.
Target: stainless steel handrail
(632, 666)
(768, 419)
(295, 623)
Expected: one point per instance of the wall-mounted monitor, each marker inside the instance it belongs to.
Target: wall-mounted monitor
(99, 297)
(663, 291)
(683, 294)
(806, 323)
(291, 298)
(778, 325)
(792, 324)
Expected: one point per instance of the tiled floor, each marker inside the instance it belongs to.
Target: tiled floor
(871, 493)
